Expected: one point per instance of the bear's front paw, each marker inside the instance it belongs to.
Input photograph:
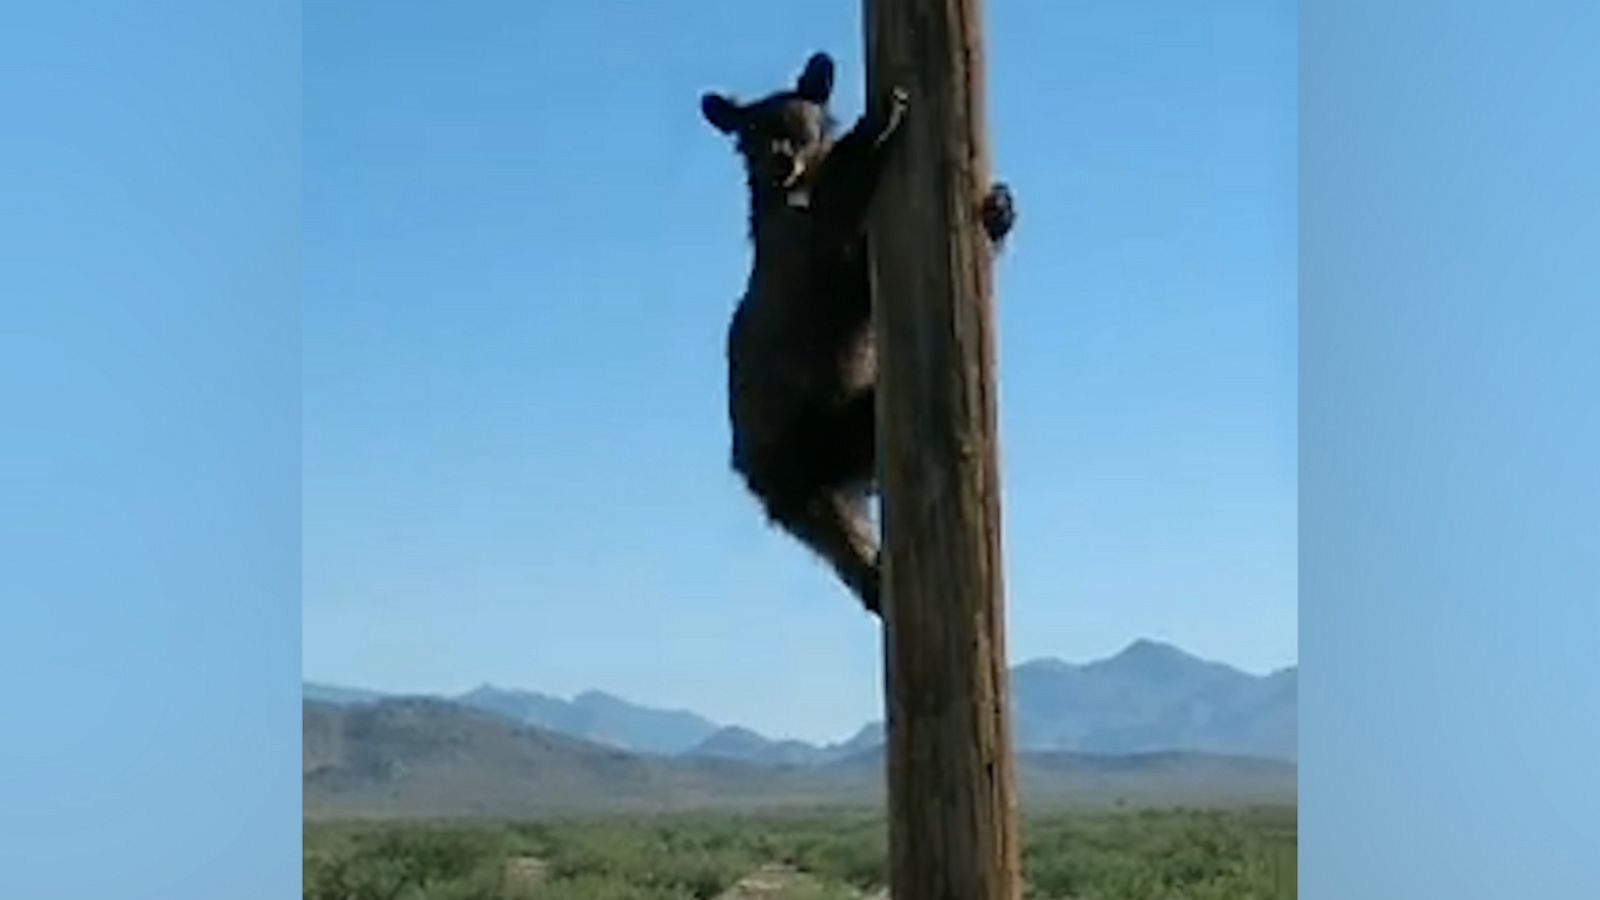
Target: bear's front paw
(999, 212)
(899, 99)
(893, 112)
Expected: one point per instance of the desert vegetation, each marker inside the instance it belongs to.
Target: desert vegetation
(1173, 854)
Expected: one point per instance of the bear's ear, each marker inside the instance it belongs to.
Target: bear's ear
(816, 82)
(722, 113)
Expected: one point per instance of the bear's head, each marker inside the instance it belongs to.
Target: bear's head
(783, 135)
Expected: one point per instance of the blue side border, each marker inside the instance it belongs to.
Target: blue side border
(149, 449)
(1450, 567)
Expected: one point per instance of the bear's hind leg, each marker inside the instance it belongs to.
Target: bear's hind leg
(836, 526)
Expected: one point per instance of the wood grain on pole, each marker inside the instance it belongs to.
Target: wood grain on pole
(952, 789)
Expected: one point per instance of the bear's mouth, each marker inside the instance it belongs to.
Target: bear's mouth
(787, 170)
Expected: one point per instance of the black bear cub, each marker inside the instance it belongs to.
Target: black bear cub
(800, 356)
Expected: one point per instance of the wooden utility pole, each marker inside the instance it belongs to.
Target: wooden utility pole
(952, 790)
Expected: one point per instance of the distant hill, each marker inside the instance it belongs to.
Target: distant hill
(598, 717)
(426, 757)
(743, 744)
(738, 743)
(341, 696)
(1154, 697)
(432, 757)
(1149, 698)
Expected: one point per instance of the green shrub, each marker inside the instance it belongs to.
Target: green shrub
(1116, 855)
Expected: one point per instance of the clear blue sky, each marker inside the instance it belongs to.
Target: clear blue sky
(522, 246)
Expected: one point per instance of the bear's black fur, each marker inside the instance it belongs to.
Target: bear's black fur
(800, 357)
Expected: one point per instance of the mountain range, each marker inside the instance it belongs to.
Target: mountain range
(429, 757)
(1150, 698)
